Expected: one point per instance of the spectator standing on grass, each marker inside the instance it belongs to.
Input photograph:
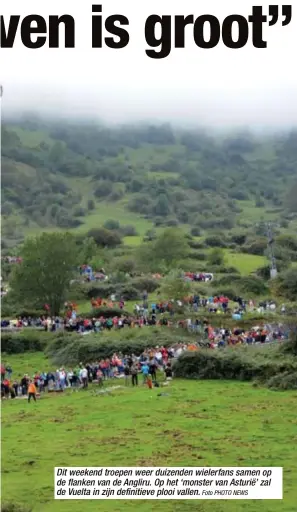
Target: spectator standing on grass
(5, 386)
(134, 373)
(24, 384)
(2, 371)
(99, 376)
(127, 374)
(70, 377)
(145, 370)
(62, 378)
(8, 371)
(15, 386)
(84, 377)
(149, 382)
(31, 391)
(168, 372)
(152, 369)
(75, 378)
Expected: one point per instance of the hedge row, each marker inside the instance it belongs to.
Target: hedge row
(24, 341)
(106, 313)
(265, 365)
(10, 311)
(14, 507)
(71, 349)
(130, 290)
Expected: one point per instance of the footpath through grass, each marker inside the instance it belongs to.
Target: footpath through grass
(200, 423)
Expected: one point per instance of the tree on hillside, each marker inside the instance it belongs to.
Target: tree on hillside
(91, 204)
(104, 237)
(150, 235)
(166, 252)
(112, 225)
(162, 206)
(287, 284)
(87, 249)
(47, 268)
(104, 188)
(291, 201)
(174, 286)
(216, 257)
(57, 153)
(171, 247)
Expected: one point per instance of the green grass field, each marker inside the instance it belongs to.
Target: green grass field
(245, 263)
(203, 423)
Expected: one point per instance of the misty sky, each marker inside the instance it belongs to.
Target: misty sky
(218, 87)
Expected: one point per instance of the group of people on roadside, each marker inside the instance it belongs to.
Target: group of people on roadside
(149, 364)
(144, 314)
(13, 388)
(219, 337)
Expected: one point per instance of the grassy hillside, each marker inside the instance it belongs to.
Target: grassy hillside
(125, 186)
(63, 175)
(142, 200)
(208, 423)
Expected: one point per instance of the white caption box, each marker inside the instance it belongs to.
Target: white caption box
(191, 483)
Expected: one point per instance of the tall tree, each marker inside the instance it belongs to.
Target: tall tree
(162, 206)
(291, 200)
(164, 253)
(171, 247)
(216, 257)
(174, 286)
(47, 268)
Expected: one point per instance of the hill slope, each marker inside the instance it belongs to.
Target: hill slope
(58, 175)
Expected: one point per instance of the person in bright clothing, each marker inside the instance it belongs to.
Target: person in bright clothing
(32, 391)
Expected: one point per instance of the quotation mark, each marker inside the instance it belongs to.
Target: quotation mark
(274, 13)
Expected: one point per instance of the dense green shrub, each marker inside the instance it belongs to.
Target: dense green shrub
(24, 341)
(111, 225)
(238, 239)
(102, 290)
(11, 311)
(14, 507)
(224, 270)
(216, 257)
(290, 346)
(145, 283)
(195, 231)
(128, 292)
(128, 230)
(255, 246)
(263, 272)
(215, 241)
(287, 241)
(123, 264)
(97, 346)
(287, 284)
(91, 204)
(252, 285)
(226, 291)
(283, 381)
(103, 189)
(228, 280)
(78, 291)
(200, 256)
(233, 363)
(79, 212)
(104, 237)
(60, 341)
(194, 244)
(172, 222)
(106, 312)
